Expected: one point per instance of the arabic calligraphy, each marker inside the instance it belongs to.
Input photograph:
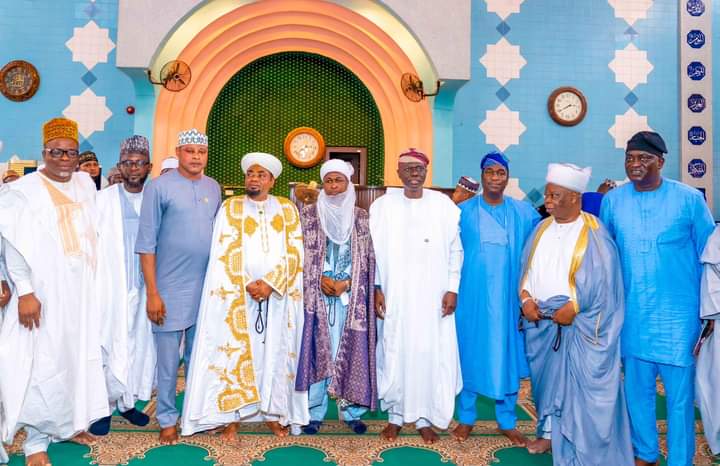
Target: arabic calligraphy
(696, 135)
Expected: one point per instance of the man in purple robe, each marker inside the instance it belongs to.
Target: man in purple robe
(338, 346)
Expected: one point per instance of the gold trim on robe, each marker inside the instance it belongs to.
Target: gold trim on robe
(589, 222)
(240, 385)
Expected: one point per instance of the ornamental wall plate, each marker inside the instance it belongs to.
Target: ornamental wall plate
(19, 80)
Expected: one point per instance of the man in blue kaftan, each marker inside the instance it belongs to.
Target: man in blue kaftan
(493, 229)
(660, 227)
(572, 303)
(174, 239)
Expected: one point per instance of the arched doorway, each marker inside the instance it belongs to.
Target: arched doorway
(252, 31)
(277, 93)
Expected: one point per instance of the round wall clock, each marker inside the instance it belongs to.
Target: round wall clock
(567, 106)
(304, 147)
(19, 80)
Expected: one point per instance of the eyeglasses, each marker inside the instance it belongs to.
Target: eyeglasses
(58, 153)
(133, 163)
(644, 159)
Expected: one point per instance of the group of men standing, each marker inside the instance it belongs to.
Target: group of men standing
(415, 304)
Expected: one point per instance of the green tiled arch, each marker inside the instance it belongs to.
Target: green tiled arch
(278, 93)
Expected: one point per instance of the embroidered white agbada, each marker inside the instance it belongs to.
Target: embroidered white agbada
(127, 342)
(708, 362)
(51, 377)
(244, 361)
(419, 257)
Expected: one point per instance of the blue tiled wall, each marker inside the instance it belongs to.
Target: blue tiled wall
(36, 31)
(569, 43)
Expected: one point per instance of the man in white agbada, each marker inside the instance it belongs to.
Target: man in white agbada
(419, 255)
(50, 358)
(127, 340)
(251, 316)
(707, 376)
(5, 294)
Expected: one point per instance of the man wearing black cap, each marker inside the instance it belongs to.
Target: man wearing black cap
(660, 227)
(89, 164)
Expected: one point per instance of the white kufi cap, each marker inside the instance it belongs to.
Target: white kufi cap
(569, 176)
(169, 162)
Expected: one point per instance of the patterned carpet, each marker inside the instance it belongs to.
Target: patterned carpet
(138, 446)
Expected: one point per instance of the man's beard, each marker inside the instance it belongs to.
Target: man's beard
(135, 184)
(253, 192)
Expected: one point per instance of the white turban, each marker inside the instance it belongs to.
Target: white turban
(569, 176)
(267, 161)
(338, 166)
(169, 163)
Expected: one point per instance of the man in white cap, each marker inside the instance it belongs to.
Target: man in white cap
(338, 350)
(127, 339)
(251, 316)
(416, 237)
(176, 225)
(572, 304)
(50, 357)
(170, 163)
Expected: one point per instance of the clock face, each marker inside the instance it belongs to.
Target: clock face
(567, 106)
(304, 147)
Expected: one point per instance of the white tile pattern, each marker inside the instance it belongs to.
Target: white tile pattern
(503, 8)
(626, 125)
(90, 45)
(90, 112)
(502, 127)
(631, 10)
(631, 66)
(503, 61)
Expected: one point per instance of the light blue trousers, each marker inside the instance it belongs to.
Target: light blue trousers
(317, 395)
(641, 389)
(504, 409)
(168, 361)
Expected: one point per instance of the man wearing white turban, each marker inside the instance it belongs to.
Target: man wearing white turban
(251, 314)
(338, 350)
(572, 304)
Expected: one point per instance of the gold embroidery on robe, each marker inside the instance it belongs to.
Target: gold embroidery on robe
(277, 223)
(67, 210)
(240, 386)
(250, 225)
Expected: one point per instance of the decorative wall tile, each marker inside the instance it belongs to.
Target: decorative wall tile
(503, 8)
(513, 189)
(626, 125)
(90, 45)
(90, 112)
(503, 61)
(631, 66)
(631, 10)
(502, 127)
